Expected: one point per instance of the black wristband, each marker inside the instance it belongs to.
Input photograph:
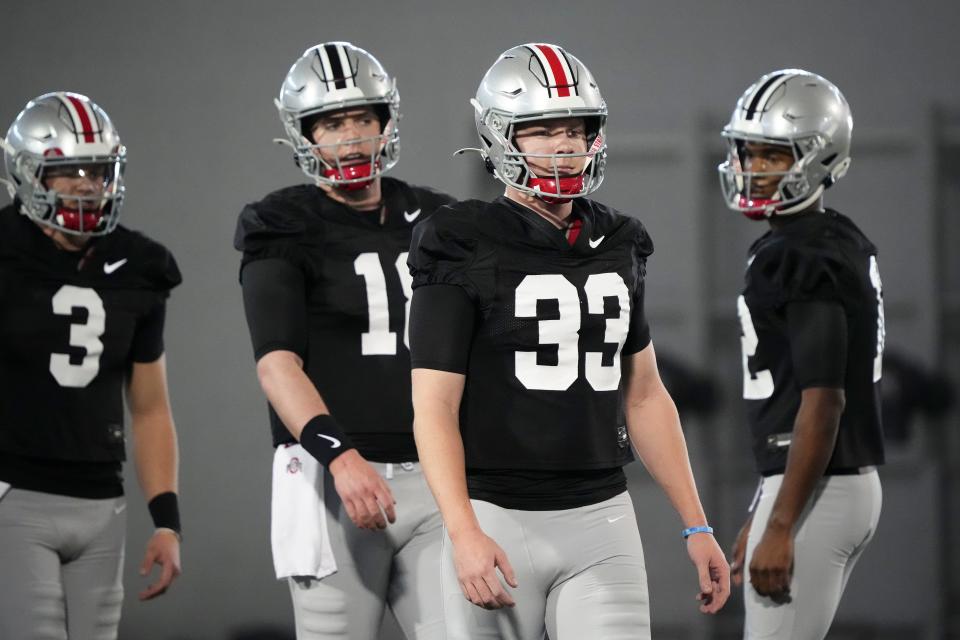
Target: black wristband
(165, 511)
(323, 438)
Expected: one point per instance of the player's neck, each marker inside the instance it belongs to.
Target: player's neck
(64, 241)
(777, 222)
(555, 214)
(364, 200)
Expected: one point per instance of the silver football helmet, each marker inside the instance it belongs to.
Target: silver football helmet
(537, 82)
(802, 111)
(334, 76)
(66, 135)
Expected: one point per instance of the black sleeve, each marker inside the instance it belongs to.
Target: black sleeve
(441, 253)
(638, 337)
(147, 343)
(275, 301)
(779, 276)
(276, 228)
(818, 343)
(442, 319)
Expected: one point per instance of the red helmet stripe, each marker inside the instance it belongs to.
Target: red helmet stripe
(85, 124)
(557, 69)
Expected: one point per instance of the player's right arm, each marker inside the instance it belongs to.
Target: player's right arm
(817, 331)
(274, 295)
(436, 406)
(441, 328)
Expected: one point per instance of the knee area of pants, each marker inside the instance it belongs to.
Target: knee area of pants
(320, 610)
(110, 606)
(326, 620)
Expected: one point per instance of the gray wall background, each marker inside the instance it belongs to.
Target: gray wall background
(190, 86)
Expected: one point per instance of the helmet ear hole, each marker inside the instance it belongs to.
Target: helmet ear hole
(383, 114)
(592, 126)
(307, 124)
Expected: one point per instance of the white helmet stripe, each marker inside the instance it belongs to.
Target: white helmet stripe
(326, 73)
(552, 79)
(72, 112)
(345, 67)
(759, 100)
(555, 67)
(761, 106)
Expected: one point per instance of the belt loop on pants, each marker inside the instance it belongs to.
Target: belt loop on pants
(389, 472)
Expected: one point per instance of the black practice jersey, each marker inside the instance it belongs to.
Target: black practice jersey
(813, 257)
(543, 375)
(357, 289)
(71, 325)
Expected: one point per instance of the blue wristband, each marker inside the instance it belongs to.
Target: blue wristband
(692, 530)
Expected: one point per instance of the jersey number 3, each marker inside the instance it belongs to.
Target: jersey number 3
(83, 335)
(564, 332)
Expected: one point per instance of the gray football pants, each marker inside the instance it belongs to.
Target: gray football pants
(835, 527)
(61, 564)
(581, 574)
(398, 567)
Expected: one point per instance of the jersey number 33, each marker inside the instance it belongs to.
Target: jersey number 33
(564, 332)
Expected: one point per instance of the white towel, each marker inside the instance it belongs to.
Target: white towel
(298, 531)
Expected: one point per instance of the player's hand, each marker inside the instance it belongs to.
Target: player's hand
(163, 549)
(771, 566)
(712, 569)
(739, 552)
(366, 496)
(477, 558)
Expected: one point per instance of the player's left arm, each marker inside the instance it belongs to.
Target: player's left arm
(818, 347)
(654, 426)
(155, 453)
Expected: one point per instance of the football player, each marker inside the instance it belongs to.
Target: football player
(82, 318)
(811, 314)
(326, 290)
(533, 372)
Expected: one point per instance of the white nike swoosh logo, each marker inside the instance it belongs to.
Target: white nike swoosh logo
(119, 510)
(110, 267)
(596, 243)
(336, 443)
(411, 216)
(612, 520)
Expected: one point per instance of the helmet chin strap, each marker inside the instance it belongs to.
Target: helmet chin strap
(763, 208)
(352, 172)
(546, 188)
(552, 191)
(800, 206)
(78, 221)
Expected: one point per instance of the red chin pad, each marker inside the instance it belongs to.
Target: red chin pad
(352, 172)
(74, 220)
(546, 187)
(756, 207)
